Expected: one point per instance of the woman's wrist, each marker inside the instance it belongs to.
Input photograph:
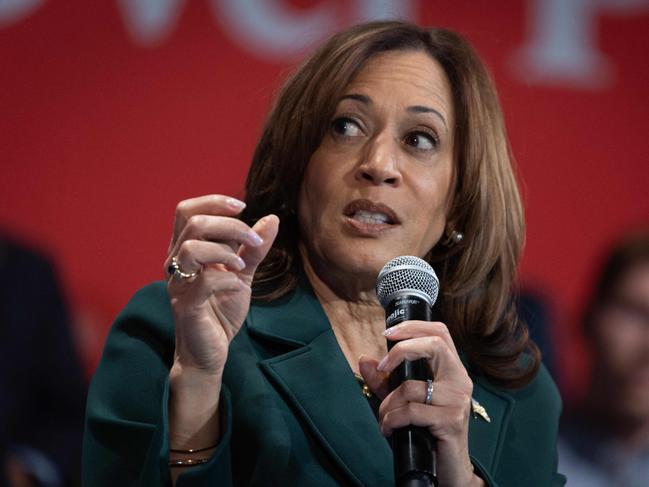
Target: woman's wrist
(193, 409)
(188, 377)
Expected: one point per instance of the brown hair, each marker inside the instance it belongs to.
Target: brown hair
(476, 274)
(630, 252)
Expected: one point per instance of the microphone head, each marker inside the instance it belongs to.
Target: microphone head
(407, 275)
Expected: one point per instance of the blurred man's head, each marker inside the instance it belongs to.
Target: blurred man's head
(616, 324)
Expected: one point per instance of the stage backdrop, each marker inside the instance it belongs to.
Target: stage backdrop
(112, 111)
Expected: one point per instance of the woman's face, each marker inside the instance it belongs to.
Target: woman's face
(378, 184)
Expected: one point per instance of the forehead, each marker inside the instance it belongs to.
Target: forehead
(406, 76)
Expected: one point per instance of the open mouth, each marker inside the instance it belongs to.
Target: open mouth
(366, 212)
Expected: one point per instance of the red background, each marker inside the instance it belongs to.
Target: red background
(100, 138)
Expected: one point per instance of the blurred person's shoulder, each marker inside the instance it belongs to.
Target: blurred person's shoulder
(22, 258)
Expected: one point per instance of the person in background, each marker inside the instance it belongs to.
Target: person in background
(42, 389)
(605, 439)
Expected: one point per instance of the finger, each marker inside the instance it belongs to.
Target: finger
(267, 228)
(218, 229)
(408, 391)
(444, 394)
(378, 382)
(194, 254)
(209, 282)
(439, 420)
(417, 329)
(443, 362)
(212, 204)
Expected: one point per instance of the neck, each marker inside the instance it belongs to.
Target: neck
(356, 317)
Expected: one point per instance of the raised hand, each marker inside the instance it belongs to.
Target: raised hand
(208, 308)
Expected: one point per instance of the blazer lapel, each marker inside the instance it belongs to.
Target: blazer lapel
(315, 378)
(486, 438)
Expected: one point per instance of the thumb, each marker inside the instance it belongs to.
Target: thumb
(267, 228)
(377, 381)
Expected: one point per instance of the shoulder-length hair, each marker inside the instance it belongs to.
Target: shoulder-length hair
(478, 273)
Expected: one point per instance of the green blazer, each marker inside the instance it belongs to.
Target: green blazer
(292, 412)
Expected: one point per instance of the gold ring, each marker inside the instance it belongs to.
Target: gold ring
(175, 270)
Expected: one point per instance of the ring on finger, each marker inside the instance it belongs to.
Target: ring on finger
(429, 392)
(175, 270)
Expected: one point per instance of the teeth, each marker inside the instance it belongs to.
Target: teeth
(370, 217)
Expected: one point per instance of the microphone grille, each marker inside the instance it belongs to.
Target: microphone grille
(407, 273)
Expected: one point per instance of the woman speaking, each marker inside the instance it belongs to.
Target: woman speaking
(263, 358)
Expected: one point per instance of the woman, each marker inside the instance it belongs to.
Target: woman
(387, 141)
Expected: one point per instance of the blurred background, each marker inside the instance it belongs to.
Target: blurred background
(112, 111)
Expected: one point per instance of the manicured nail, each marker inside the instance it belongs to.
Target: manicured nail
(235, 203)
(241, 263)
(391, 330)
(382, 363)
(255, 239)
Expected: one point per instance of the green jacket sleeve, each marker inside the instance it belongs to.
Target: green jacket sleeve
(126, 434)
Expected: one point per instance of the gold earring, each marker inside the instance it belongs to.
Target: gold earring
(453, 238)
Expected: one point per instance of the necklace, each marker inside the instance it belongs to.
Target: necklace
(365, 389)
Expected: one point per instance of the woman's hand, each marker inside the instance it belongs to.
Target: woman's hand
(209, 308)
(447, 416)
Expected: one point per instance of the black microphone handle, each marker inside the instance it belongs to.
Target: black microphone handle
(413, 447)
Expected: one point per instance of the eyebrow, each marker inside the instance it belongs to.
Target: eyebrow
(412, 109)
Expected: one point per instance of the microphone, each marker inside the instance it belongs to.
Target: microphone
(407, 288)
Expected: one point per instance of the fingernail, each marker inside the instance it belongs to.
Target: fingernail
(242, 264)
(391, 330)
(255, 239)
(382, 363)
(235, 203)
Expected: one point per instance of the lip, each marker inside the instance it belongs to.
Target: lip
(365, 228)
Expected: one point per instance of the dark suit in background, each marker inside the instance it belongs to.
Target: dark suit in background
(42, 390)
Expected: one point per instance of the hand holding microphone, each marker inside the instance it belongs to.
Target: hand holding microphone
(429, 431)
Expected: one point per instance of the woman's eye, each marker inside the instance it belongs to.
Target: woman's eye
(347, 127)
(421, 141)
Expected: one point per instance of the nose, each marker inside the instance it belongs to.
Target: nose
(379, 162)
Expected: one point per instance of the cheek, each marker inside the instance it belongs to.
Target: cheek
(431, 207)
(316, 195)
(619, 346)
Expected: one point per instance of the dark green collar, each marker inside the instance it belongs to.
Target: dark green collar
(316, 379)
(295, 319)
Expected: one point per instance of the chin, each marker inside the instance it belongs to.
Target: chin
(365, 261)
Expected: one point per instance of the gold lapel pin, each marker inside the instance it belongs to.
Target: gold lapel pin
(479, 410)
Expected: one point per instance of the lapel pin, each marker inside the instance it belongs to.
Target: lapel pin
(479, 410)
